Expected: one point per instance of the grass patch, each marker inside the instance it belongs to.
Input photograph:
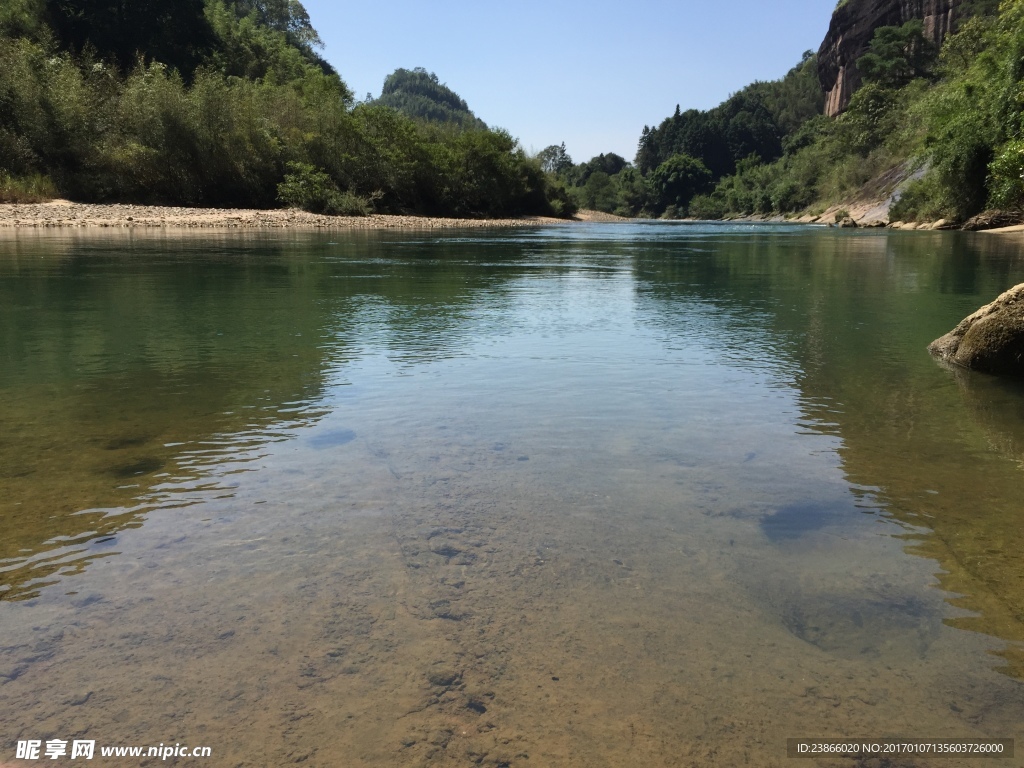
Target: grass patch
(26, 189)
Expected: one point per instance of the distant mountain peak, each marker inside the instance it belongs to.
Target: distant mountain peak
(421, 95)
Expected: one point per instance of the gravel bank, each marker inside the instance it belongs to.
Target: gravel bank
(61, 213)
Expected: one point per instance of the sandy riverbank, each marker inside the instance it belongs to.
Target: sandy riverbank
(1015, 229)
(599, 216)
(62, 214)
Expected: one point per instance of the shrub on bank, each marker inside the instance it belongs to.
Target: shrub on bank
(35, 188)
(312, 190)
(707, 208)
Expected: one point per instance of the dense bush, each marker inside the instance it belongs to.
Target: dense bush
(312, 190)
(1006, 176)
(707, 208)
(27, 189)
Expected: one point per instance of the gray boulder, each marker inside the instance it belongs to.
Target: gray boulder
(990, 340)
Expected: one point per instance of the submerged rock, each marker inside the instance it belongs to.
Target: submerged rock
(990, 340)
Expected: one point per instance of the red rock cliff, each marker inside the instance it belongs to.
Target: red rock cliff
(854, 24)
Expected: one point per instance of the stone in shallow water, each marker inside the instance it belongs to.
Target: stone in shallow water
(128, 441)
(332, 438)
(444, 677)
(852, 626)
(795, 520)
(144, 466)
(991, 340)
(445, 550)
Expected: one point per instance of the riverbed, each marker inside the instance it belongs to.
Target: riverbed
(630, 494)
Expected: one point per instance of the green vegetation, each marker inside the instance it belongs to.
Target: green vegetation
(971, 122)
(311, 190)
(955, 114)
(226, 102)
(898, 55)
(678, 162)
(27, 189)
(753, 121)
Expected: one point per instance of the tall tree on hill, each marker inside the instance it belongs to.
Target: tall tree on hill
(898, 55)
(555, 159)
(287, 16)
(283, 15)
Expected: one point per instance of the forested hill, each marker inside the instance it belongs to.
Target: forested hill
(421, 95)
(937, 94)
(228, 103)
(751, 123)
(691, 150)
(186, 34)
(930, 91)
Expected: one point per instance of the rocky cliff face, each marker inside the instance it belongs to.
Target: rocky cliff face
(852, 28)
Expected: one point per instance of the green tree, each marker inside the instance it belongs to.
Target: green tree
(287, 16)
(610, 164)
(678, 179)
(634, 193)
(20, 18)
(755, 120)
(173, 33)
(599, 193)
(555, 159)
(247, 48)
(897, 55)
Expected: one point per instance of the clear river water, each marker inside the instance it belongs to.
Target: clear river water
(596, 495)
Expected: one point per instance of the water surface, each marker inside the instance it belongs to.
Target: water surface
(596, 495)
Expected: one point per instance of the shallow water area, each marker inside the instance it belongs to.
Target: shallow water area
(597, 495)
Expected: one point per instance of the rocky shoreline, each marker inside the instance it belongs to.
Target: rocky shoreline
(64, 214)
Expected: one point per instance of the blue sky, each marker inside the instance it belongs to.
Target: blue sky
(591, 74)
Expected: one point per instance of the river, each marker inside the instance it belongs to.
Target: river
(649, 494)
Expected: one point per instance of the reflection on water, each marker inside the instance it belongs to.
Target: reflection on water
(132, 386)
(599, 495)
